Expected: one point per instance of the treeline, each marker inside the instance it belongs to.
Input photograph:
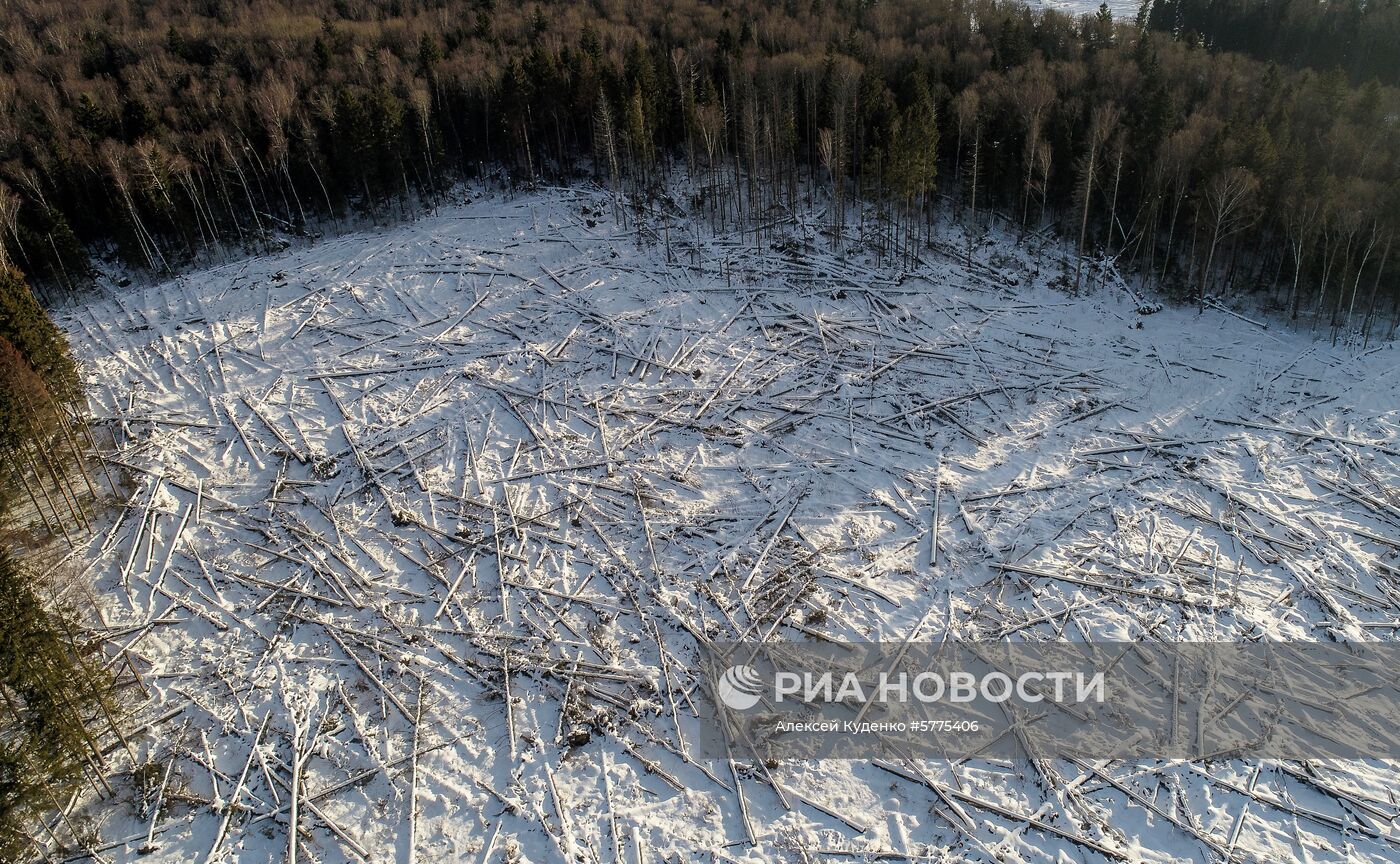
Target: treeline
(56, 704)
(173, 129)
(1358, 36)
(57, 699)
(44, 435)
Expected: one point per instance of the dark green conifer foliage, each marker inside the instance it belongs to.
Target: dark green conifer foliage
(25, 325)
(51, 692)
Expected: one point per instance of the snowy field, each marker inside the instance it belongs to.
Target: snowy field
(427, 523)
(1123, 10)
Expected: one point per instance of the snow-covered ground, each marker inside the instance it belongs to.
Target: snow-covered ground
(427, 522)
(1123, 10)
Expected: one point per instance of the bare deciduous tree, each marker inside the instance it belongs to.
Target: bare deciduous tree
(1229, 197)
(1101, 124)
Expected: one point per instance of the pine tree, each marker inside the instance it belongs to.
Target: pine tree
(37, 437)
(49, 691)
(638, 134)
(914, 156)
(25, 325)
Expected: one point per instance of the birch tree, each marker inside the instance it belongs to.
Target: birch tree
(1101, 123)
(1301, 218)
(1228, 198)
(1032, 93)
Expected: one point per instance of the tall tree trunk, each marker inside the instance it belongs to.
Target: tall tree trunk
(1113, 204)
(38, 475)
(49, 525)
(1084, 217)
(976, 164)
(1375, 291)
(1171, 235)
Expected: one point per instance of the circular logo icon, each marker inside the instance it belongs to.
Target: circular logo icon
(739, 687)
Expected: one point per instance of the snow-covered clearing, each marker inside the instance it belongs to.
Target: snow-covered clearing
(1123, 10)
(427, 521)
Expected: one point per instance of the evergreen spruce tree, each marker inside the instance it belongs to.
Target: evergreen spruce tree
(25, 325)
(914, 156)
(50, 691)
(39, 443)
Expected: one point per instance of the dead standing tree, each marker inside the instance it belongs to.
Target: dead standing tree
(967, 108)
(605, 145)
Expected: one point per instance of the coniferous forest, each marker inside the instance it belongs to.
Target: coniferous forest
(1359, 38)
(160, 131)
(57, 705)
(56, 695)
